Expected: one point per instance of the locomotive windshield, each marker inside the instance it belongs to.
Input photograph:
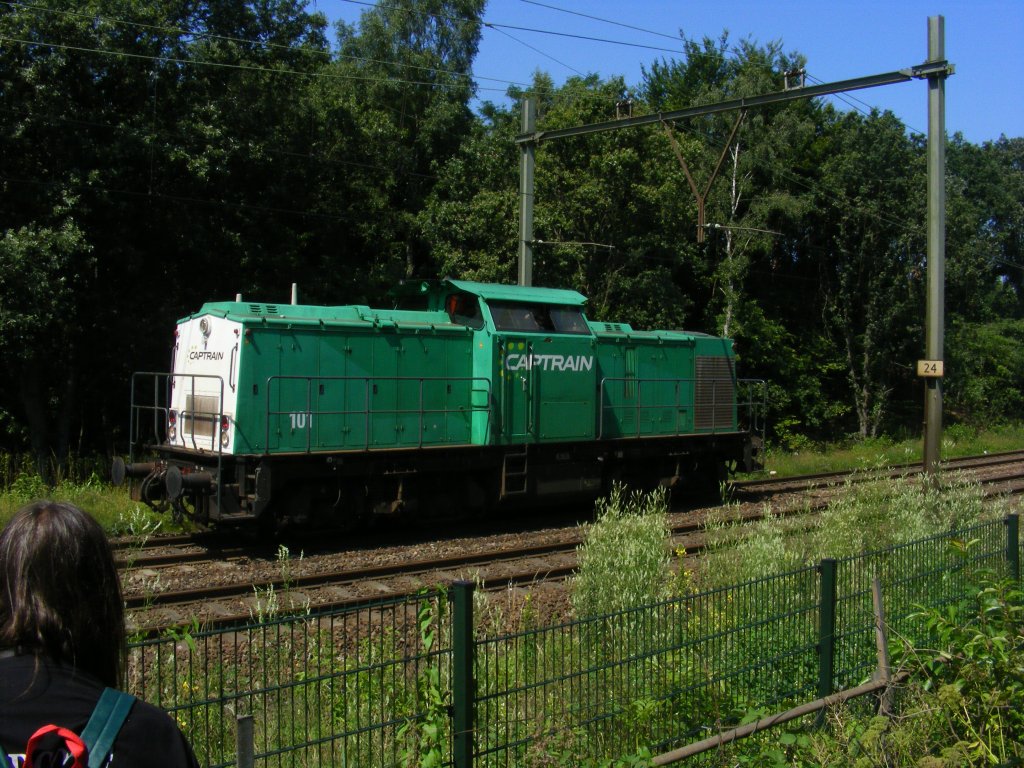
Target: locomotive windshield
(537, 318)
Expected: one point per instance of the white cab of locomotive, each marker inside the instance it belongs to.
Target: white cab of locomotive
(204, 384)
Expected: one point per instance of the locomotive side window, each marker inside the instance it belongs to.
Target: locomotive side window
(464, 310)
(568, 320)
(537, 318)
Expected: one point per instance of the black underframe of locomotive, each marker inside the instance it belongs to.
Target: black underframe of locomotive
(351, 488)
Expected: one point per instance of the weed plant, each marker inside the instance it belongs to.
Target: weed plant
(652, 660)
(869, 512)
(363, 688)
(372, 687)
(959, 707)
(625, 557)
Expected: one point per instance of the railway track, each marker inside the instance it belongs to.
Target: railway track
(546, 557)
(167, 551)
(803, 483)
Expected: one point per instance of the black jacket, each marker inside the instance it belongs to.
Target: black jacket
(32, 696)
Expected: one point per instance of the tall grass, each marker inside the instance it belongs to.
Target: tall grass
(957, 440)
(111, 507)
(869, 512)
(625, 557)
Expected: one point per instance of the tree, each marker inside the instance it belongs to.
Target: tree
(118, 141)
(41, 271)
(404, 77)
(984, 220)
(870, 256)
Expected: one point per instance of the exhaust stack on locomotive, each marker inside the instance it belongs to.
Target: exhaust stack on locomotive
(471, 396)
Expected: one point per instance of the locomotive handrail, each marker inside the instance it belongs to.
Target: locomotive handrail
(232, 371)
(679, 404)
(757, 413)
(160, 427)
(159, 431)
(369, 383)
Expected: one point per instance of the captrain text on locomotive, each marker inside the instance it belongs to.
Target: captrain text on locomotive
(469, 397)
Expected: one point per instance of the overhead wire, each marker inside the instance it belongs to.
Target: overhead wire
(226, 65)
(537, 50)
(849, 99)
(496, 26)
(575, 36)
(522, 29)
(332, 55)
(908, 224)
(475, 78)
(598, 18)
(842, 97)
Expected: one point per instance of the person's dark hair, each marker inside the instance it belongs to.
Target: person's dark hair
(59, 592)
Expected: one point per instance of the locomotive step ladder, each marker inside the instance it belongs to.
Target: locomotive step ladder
(514, 473)
(248, 489)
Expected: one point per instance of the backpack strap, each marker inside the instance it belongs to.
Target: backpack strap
(5, 759)
(107, 718)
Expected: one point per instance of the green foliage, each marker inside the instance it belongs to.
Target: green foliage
(624, 558)
(957, 440)
(977, 676)
(748, 551)
(370, 688)
(426, 736)
(960, 707)
(985, 385)
(875, 513)
(111, 507)
(270, 602)
(224, 142)
(362, 163)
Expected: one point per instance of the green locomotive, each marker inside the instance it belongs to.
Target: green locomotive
(467, 397)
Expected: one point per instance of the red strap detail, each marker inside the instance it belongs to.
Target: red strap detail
(74, 745)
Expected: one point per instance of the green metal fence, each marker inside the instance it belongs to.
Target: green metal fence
(930, 572)
(382, 684)
(322, 690)
(653, 676)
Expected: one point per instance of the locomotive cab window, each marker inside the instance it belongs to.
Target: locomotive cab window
(464, 309)
(537, 318)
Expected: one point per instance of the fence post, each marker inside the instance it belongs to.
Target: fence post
(827, 627)
(1013, 545)
(463, 688)
(245, 746)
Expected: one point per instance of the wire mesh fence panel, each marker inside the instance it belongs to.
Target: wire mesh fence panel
(336, 689)
(649, 677)
(923, 574)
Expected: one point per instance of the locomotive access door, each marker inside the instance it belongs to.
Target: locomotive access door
(517, 384)
(548, 386)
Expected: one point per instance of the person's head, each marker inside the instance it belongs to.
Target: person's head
(59, 592)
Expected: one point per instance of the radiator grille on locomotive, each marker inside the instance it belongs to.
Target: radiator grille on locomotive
(715, 399)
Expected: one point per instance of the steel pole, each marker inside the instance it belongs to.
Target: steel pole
(526, 164)
(934, 330)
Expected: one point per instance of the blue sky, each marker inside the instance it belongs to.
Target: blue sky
(841, 40)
